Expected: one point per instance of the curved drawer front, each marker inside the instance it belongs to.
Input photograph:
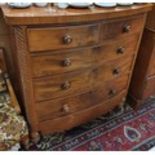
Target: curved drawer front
(61, 107)
(116, 49)
(111, 70)
(40, 39)
(122, 27)
(62, 85)
(78, 82)
(71, 60)
(61, 62)
(80, 117)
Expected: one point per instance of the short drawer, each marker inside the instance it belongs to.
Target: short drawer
(80, 117)
(61, 107)
(122, 27)
(50, 38)
(62, 85)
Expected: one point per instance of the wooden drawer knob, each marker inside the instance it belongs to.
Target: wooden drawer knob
(67, 62)
(112, 92)
(120, 50)
(67, 39)
(66, 108)
(66, 85)
(126, 28)
(116, 71)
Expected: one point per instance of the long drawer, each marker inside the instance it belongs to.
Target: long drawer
(50, 38)
(61, 107)
(71, 60)
(120, 28)
(78, 82)
(77, 118)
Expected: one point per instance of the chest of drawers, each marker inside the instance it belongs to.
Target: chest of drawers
(73, 66)
(143, 80)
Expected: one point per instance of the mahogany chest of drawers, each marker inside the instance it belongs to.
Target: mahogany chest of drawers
(143, 80)
(73, 65)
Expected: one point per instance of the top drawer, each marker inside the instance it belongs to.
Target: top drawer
(123, 27)
(40, 39)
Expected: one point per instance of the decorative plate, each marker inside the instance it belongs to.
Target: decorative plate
(62, 5)
(125, 4)
(41, 4)
(80, 5)
(106, 5)
(19, 5)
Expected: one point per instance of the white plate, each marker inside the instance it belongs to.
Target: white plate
(80, 5)
(62, 5)
(106, 5)
(41, 4)
(20, 5)
(125, 4)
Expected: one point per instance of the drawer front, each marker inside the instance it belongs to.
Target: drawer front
(80, 117)
(78, 82)
(111, 70)
(61, 62)
(72, 60)
(61, 107)
(40, 39)
(62, 85)
(116, 49)
(120, 28)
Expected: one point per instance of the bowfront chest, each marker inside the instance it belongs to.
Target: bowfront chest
(71, 66)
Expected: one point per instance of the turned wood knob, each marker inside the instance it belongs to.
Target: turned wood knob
(67, 62)
(126, 28)
(116, 71)
(66, 85)
(66, 108)
(112, 92)
(67, 39)
(120, 50)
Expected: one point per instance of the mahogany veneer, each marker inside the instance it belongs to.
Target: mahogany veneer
(73, 65)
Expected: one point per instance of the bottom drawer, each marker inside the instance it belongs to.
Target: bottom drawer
(149, 89)
(61, 107)
(80, 117)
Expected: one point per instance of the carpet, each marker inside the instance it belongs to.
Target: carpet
(121, 130)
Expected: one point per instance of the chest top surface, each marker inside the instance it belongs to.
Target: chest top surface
(49, 15)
